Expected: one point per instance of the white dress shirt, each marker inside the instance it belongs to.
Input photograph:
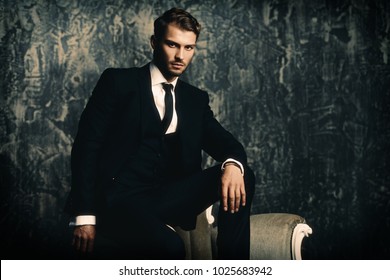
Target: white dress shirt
(159, 94)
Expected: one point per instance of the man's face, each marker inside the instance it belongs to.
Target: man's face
(174, 52)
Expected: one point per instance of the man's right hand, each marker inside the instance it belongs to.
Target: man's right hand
(84, 238)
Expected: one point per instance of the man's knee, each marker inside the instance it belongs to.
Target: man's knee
(250, 180)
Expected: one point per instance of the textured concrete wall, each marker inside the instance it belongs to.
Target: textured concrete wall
(303, 84)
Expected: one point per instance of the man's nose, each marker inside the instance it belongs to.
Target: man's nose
(179, 54)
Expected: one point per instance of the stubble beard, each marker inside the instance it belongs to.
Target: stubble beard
(164, 67)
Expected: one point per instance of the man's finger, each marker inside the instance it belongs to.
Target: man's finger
(90, 245)
(232, 199)
(238, 200)
(243, 196)
(84, 244)
(224, 196)
(76, 243)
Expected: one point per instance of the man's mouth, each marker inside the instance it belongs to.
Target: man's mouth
(177, 65)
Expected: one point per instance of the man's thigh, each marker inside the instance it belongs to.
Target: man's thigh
(187, 198)
(134, 230)
(139, 221)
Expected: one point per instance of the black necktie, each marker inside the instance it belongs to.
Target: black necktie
(166, 121)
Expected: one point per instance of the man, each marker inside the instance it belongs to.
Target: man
(136, 159)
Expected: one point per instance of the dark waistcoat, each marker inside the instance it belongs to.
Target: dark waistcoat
(156, 160)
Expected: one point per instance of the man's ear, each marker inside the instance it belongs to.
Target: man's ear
(153, 41)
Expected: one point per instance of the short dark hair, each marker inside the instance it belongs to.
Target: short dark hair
(179, 17)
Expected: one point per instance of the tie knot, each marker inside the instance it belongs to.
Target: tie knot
(167, 87)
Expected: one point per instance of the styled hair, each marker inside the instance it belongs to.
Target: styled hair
(179, 17)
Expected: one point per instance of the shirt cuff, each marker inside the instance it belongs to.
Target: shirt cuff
(83, 220)
(235, 161)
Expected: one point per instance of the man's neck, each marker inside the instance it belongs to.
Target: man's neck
(159, 72)
(167, 76)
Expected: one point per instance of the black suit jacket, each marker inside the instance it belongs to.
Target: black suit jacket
(111, 128)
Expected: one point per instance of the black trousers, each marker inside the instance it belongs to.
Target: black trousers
(135, 225)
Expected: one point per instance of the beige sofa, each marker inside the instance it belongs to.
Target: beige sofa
(274, 236)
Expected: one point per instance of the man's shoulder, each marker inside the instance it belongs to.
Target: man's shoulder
(187, 87)
(125, 77)
(124, 72)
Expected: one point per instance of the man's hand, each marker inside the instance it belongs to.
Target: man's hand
(233, 189)
(84, 238)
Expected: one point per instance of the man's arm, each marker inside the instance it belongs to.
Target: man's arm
(222, 146)
(92, 132)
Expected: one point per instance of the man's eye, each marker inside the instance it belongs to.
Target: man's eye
(189, 48)
(171, 45)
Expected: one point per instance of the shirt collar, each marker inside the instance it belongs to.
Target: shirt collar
(157, 77)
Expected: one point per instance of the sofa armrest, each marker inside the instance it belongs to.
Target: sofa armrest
(300, 231)
(277, 236)
(198, 242)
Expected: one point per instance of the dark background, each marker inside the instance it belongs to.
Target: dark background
(304, 85)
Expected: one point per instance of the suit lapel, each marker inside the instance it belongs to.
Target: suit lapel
(145, 86)
(185, 115)
(180, 107)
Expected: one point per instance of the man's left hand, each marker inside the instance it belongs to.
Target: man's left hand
(233, 189)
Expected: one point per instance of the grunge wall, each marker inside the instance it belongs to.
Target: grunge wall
(303, 84)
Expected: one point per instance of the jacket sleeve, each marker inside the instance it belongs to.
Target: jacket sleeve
(219, 143)
(93, 130)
